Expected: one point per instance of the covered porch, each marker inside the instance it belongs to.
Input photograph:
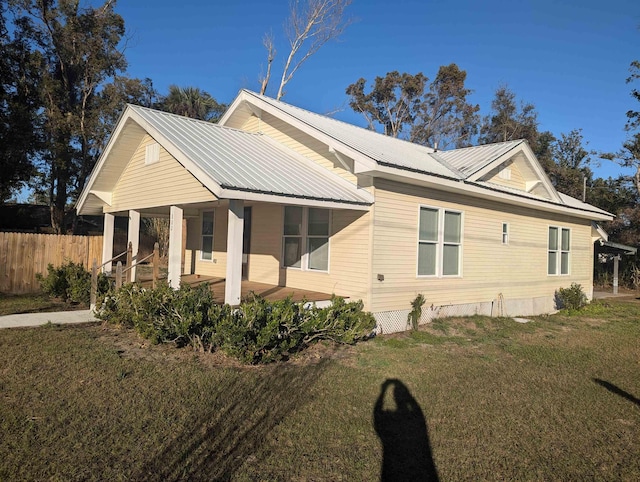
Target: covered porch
(264, 290)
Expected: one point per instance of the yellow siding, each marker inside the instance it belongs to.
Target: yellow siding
(266, 243)
(489, 268)
(163, 183)
(348, 259)
(298, 141)
(517, 180)
(348, 256)
(218, 265)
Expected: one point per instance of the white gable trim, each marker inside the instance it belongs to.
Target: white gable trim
(533, 162)
(254, 101)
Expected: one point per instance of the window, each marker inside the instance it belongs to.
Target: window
(152, 153)
(207, 236)
(306, 238)
(505, 233)
(439, 242)
(559, 249)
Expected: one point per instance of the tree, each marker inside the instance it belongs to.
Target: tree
(311, 24)
(508, 121)
(393, 101)
(445, 117)
(192, 102)
(571, 164)
(19, 104)
(79, 53)
(400, 104)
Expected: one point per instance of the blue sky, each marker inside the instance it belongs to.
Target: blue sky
(568, 57)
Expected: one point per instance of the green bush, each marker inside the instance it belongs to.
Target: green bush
(258, 331)
(70, 282)
(572, 298)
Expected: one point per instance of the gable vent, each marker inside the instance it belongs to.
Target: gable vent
(152, 154)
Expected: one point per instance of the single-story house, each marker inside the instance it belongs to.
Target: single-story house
(283, 196)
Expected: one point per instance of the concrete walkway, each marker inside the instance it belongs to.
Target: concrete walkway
(38, 319)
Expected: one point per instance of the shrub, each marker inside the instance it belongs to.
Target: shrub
(572, 298)
(258, 331)
(70, 282)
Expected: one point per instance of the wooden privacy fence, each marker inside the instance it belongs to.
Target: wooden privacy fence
(22, 255)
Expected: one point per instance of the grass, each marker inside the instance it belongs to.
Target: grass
(33, 303)
(555, 399)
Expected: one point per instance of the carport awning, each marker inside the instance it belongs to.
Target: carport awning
(617, 248)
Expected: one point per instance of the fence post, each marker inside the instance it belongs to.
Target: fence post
(94, 284)
(156, 264)
(129, 261)
(119, 275)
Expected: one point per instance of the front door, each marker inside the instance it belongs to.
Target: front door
(246, 243)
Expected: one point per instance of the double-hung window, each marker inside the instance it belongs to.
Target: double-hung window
(306, 238)
(559, 250)
(439, 242)
(207, 236)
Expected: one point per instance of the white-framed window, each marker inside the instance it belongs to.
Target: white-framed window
(559, 251)
(305, 238)
(505, 233)
(152, 153)
(439, 242)
(206, 251)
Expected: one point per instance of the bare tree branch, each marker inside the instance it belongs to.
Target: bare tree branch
(268, 43)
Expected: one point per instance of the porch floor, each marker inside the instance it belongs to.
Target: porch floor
(267, 291)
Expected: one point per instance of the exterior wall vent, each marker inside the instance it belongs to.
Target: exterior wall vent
(152, 154)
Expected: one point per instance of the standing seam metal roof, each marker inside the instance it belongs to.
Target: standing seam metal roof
(246, 161)
(384, 149)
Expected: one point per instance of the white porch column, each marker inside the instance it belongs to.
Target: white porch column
(107, 242)
(175, 246)
(133, 237)
(234, 252)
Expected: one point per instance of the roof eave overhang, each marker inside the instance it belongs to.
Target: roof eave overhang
(333, 145)
(474, 190)
(88, 188)
(279, 198)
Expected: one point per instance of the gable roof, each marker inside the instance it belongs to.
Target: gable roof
(228, 162)
(378, 155)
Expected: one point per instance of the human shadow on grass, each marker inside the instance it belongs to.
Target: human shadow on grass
(618, 391)
(404, 436)
(236, 429)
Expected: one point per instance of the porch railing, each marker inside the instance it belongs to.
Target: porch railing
(126, 272)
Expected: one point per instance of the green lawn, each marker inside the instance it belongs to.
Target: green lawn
(480, 399)
(34, 302)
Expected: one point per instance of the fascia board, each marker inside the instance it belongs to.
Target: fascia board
(241, 97)
(230, 193)
(326, 139)
(207, 181)
(473, 190)
(126, 114)
(495, 163)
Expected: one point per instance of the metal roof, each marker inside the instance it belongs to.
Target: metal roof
(383, 149)
(244, 161)
(471, 159)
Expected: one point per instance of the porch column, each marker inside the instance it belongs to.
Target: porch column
(107, 242)
(616, 260)
(234, 252)
(175, 246)
(133, 237)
